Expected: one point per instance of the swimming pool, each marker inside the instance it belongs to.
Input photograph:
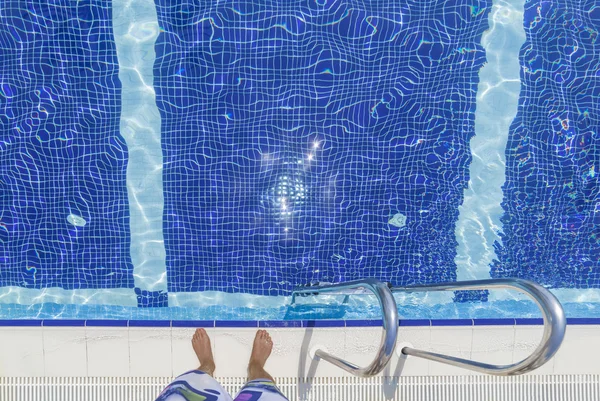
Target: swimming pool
(198, 161)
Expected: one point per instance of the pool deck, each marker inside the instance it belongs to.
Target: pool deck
(32, 348)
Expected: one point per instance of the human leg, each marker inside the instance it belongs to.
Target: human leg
(197, 385)
(261, 350)
(261, 385)
(203, 350)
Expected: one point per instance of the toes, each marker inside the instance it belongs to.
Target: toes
(263, 335)
(199, 335)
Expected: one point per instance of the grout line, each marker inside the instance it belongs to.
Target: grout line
(44, 348)
(129, 351)
(87, 356)
(472, 342)
(171, 353)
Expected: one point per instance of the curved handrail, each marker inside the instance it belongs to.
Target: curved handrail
(390, 324)
(552, 311)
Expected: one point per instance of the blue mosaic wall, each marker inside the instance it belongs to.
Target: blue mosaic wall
(314, 140)
(64, 217)
(552, 191)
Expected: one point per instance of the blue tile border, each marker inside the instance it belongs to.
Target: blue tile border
(21, 323)
(452, 322)
(529, 321)
(236, 323)
(414, 322)
(364, 323)
(63, 323)
(149, 323)
(283, 323)
(494, 322)
(193, 323)
(583, 320)
(280, 323)
(106, 323)
(324, 323)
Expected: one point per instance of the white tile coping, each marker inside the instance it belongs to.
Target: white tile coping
(141, 352)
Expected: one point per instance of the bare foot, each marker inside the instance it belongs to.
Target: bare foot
(263, 345)
(201, 345)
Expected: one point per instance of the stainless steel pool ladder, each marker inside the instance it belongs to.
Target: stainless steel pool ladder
(552, 312)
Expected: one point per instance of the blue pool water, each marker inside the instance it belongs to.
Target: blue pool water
(290, 143)
(331, 309)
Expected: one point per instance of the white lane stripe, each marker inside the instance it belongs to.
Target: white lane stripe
(497, 100)
(136, 29)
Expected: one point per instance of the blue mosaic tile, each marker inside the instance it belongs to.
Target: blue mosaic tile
(471, 296)
(152, 299)
(552, 211)
(64, 216)
(314, 141)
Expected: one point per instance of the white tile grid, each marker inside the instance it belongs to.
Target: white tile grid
(108, 351)
(527, 338)
(453, 341)
(65, 351)
(291, 352)
(330, 340)
(362, 344)
(95, 351)
(493, 344)
(150, 352)
(232, 348)
(580, 351)
(183, 358)
(405, 365)
(21, 352)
